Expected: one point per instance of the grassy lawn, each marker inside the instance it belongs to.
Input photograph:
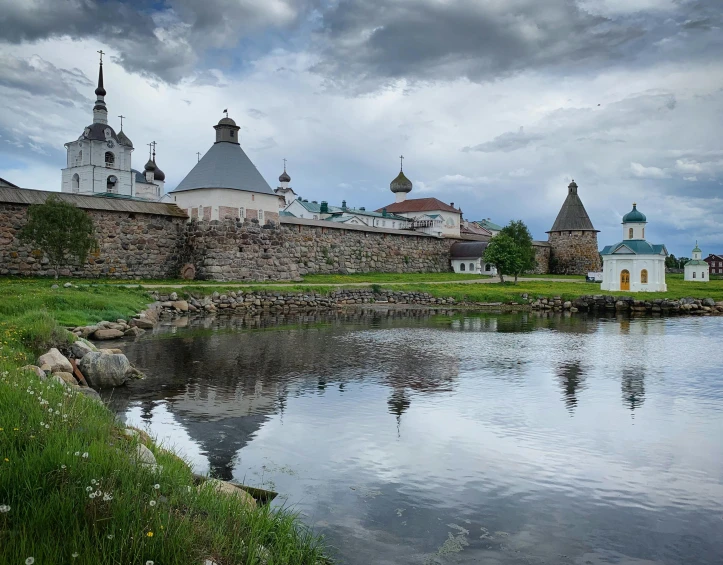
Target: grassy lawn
(389, 278)
(69, 491)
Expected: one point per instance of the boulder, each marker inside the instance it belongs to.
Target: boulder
(68, 378)
(87, 330)
(133, 332)
(144, 455)
(173, 297)
(181, 305)
(708, 302)
(110, 351)
(89, 392)
(143, 323)
(56, 379)
(103, 370)
(81, 347)
(56, 360)
(37, 371)
(229, 490)
(67, 285)
(107, 334)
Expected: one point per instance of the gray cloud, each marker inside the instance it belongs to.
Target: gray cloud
(166, 44)
(509, 141)
(376, 42)
(38, 77)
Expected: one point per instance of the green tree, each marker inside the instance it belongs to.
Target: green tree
(671, 262)
(522, 237)
(61, 231)
(504, 253)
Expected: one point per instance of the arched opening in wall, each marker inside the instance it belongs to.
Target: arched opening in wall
(461, 266)
(630, 233)
(644, 276)
(471, 267)
(109, 159)
(625, 280)
(693, 274)
(111, 184)
(488, 267)
(75, 183)
(702, 275)
(643, 233)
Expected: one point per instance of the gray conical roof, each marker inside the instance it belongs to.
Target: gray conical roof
(225, 165)
(572, 216)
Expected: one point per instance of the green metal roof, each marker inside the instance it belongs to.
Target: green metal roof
(634, 247)
(697, 263)
(488, 225)
(635, 216)
(696, 249)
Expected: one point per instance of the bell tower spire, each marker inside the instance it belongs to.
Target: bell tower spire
(100, 112)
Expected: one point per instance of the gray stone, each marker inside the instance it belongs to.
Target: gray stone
(87, 330)
(54, 287)
(90, 393)
(133, 332)
(144, 455)
(56, 360)
(103, 370)
(181, 305)
(67, 285)
(37, 371)
(81, 347)
(708, 302)
(143, 323)
(107, 334)
(229, 490)
(68, 378)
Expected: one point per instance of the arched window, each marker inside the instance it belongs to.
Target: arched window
(471, 267)
(109, 159)
(75, 183)
(644, 276)
(693, 274)
(461, 266)
(630, 233)
(643, 233)
(488, 267)
(702, 275)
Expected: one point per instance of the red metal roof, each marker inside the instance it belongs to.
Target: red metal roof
(419, 205)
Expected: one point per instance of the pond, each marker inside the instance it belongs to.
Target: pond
(415, 437)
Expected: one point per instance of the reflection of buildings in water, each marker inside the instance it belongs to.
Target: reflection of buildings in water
(223, 386)
(633, 387)
(398, 404)
(572, 380)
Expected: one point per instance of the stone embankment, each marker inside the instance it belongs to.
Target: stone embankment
(628, 304)
(259, 301)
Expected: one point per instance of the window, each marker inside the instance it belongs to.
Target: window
(644, 276)
(702, 275)
(231, 133)
(630, 233)
(643, 233)
(471, 267)
(693, 274)
(461, 266)
(75, 183)
(488, 267)
(261, 216)
(111, 184)
(241, 213)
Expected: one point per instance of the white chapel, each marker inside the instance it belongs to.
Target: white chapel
(696, 269)
(99, 161)
(634, 264)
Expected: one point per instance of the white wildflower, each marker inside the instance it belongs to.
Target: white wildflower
(92, 495)
(47, 426)
(42, 424)
(4, 508)
(107, 497)
(62, 466)
(93, 481)
(30, 561)
(77, 453)
(152, 503)
(88, 489)
(156, 486)
(85, 455)
(149, 562)
(98, 492)
(75, 555)
(110, 536)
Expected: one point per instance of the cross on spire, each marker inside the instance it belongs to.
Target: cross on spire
(153, 143)
(401, 163)
(150, 146)
(121, 119)
(101, 56)
(284, 164)
(198, 154)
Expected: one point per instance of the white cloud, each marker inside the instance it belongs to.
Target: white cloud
(644, 172)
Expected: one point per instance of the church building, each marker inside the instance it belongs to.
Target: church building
(99, 161)
(634, 264)
(696, 269)
(226, 184)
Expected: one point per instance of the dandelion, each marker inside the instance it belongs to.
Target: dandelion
(93, 481)
(75, 555)
(30, 561)
(42, 424)
(152, 503)
(77, 453)
(91, 495)
(149, 562)
(107, 497)
(15, 429)
(150, 535)
(156, 486)
(7, 460)
(88, 489)
(62, 466)
(110, 536)
(4, 508)
(85, 455)
(47, 426)
(98, 492)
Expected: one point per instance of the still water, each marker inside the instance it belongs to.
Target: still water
(414, 438)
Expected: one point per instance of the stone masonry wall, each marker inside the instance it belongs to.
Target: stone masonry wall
(229, 250)
(574, 254)
(542, 256)
(131, 246)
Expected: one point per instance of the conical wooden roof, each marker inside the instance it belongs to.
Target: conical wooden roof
(572, 216)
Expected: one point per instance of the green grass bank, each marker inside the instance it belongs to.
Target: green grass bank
(70, 491)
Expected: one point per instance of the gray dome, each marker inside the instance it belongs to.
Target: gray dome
(401, 184)
(284, 177)
(158, 174)
(226, 122)
(150, 166)
(96, 132)
(123, 139)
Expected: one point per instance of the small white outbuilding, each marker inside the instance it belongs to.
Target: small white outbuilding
(696, 269)
(634, 264)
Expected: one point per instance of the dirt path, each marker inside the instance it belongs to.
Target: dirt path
(360, 284)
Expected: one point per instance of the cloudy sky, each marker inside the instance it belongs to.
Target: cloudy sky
(495, 104)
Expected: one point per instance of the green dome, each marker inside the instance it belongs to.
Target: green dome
(696, 249)
(634, 216)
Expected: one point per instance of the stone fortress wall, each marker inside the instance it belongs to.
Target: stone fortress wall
(574, 253)
(155, 240)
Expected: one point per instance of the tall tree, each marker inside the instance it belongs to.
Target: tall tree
(60, 230)
(504, 253)
(522, 237)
